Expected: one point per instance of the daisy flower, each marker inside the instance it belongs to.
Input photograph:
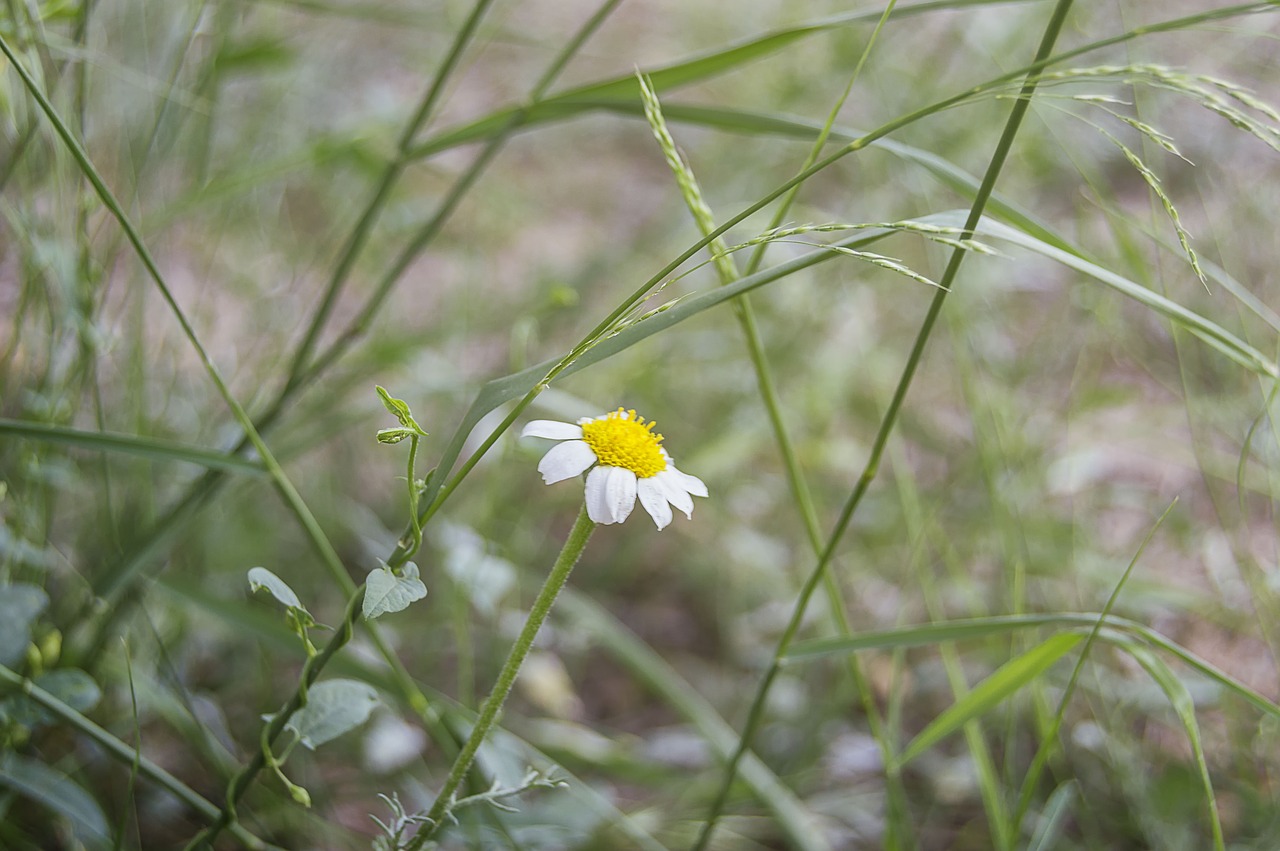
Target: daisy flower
(626, 460)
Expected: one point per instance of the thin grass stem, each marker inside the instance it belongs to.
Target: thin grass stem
(359, 235)
(889, 420)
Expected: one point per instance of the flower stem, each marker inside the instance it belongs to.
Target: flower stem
(568, 557)
(414, 521)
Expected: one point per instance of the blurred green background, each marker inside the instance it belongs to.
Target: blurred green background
(1051, 423)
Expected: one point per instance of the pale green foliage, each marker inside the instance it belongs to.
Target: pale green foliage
(261, 578)
(387, 590)
(296, 615)
(333, 707)
(400, 410)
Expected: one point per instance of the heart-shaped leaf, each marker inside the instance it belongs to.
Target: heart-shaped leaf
(384, 591)
(333, 707)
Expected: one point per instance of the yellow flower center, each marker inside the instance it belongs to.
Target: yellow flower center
(623, 439)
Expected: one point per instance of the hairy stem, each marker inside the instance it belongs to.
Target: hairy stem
(568, 557)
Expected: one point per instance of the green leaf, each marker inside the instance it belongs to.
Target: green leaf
(1007, 679)
(52, 789)
(72, 686)
(260, 577)
(333, 707)
(398, 407)
(400, 410)
(394, 435)
(20, 605)
(385, 592)
(299, 619)
(14, 551)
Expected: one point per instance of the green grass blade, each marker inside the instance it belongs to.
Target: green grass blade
(1185, 708)
(959, 630)
(373, 12)
(128, 444)
(1210, 670)
(1210, 332)
(1007, 679)
(664, 78)
(1049, 833)
(926, 635)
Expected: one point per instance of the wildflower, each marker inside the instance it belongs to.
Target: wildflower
(626, 460)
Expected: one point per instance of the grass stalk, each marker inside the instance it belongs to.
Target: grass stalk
(897, 824)
(1003, 147)
(426, 234)
(359, 235)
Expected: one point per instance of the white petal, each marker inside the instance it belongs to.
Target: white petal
(552, 430)
(620, 488)
(565, 460)
(692, 484)
(654, 499)
(611, 494)
(672, 488)
(597, 507)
